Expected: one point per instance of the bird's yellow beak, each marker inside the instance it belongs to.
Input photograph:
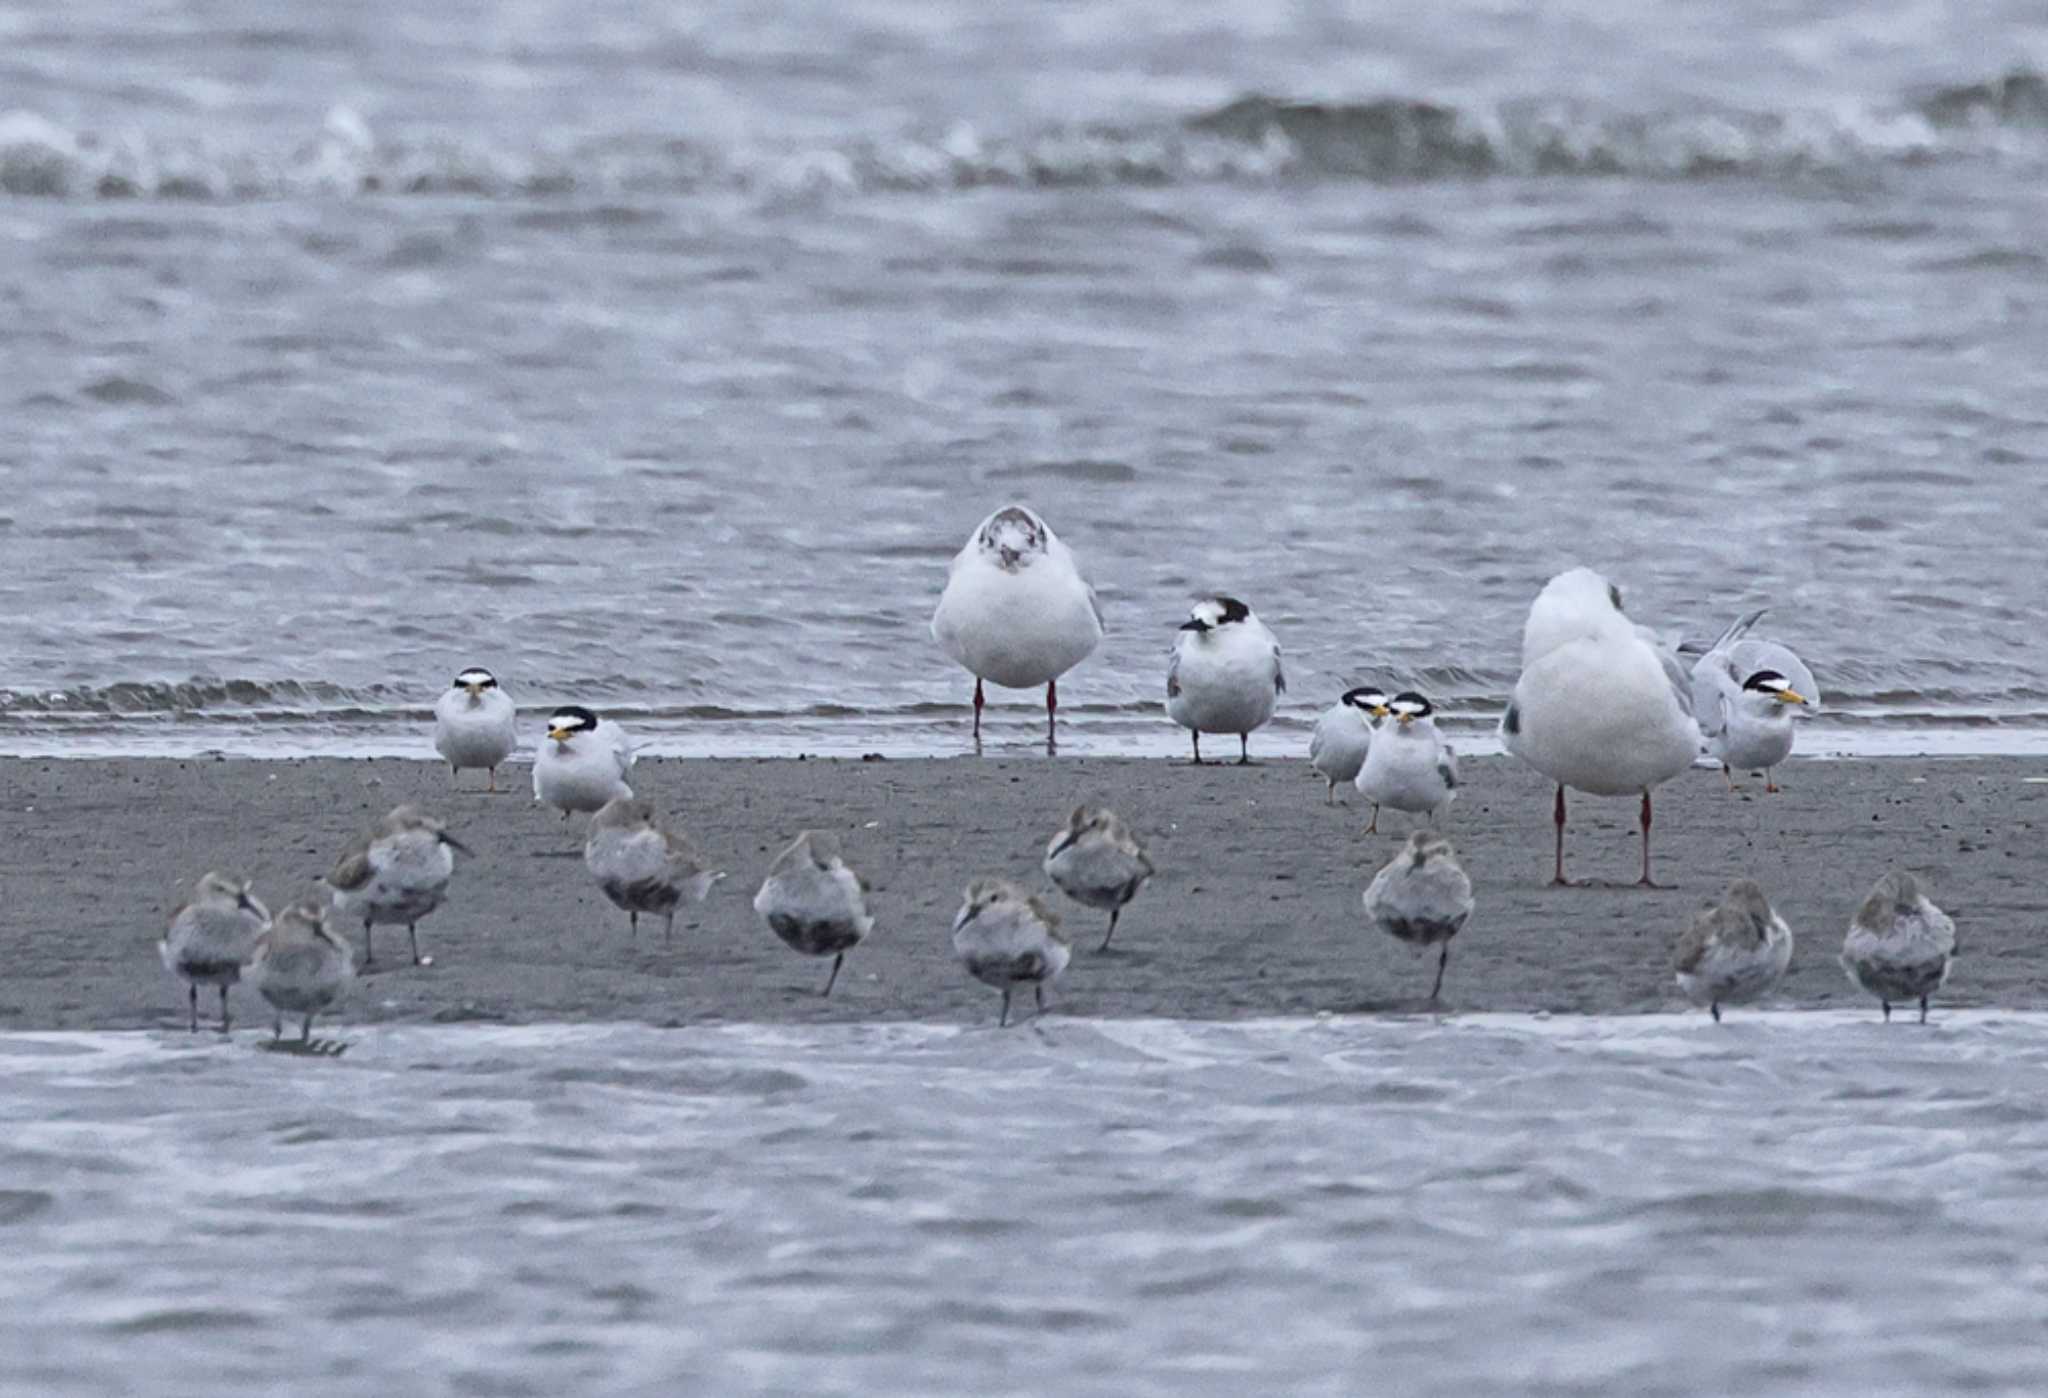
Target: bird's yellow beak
(560, 735)
(475, 690)
(1405, 718)
(1791, 696)
(1380, 711)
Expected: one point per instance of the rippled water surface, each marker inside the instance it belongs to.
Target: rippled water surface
(1806, 1203)
(660, 356)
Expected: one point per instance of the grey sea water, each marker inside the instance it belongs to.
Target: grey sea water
(660, 356)
(1814, 1204)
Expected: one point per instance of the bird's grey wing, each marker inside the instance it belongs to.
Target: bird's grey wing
(1749, 657)
(1674, 668)
(1692, 943)
(1447, 766)
(1173, 675)
(353, 869)
(1095, 606)
(682, 855)
(1733, 632)
(1711, 685)
(1318, 740)
(1279, 674)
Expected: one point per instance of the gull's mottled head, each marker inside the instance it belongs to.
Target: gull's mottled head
(1014, 536)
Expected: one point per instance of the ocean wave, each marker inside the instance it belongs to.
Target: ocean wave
(1470, 697)
(1259, 138)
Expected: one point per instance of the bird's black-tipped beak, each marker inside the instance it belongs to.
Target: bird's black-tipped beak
(247, 904)
(1196, 624)
(455, 844)
(1066, 843)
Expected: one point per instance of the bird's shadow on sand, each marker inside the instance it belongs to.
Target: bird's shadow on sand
(305, 1048)
(1397, 1006)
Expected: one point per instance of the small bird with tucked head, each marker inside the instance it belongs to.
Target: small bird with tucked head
(643, 864)
(301, 966)
(1096, 861)
(1225, 676)
(1410, 766)
(1422, 898)
(582, 763)
(1733, 951)
(211, 936)
(814, 902)
(398, 872)
(475, 723)
(1006, 938)
(1343, 736)
(1900, 946)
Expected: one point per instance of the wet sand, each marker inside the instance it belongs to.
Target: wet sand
(1255, 910)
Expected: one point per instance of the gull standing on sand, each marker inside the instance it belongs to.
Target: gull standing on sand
(474, 723)
(813, 902)
(1343, 737)
(583, 762)
(644, 865)
(1225, 676)
(1745, 694)
(1410, 766)
(211, 936)
(1422, 897)
(1602, 706)
(1098, 862)
(1016, 611)
(1733, 951)
(1900, 946)
(1007, 938)
(398, 872)
(301, 966)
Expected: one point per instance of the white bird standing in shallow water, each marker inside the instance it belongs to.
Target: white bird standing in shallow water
(1734, 951)
(642, 864)
(1410, 766)
(1602, 706)
(210, 937)
(1225, 676)
(1900, 946)
(814, 902)
(583, 762)
(475, 723)
(1422, 897)
(1096, 861)
(1745, 694)
(1343, 737)
(398, 872)
(1006, 938)
(301, 966)
(1016, 611)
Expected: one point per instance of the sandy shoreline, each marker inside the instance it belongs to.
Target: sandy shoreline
(1255, 911)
